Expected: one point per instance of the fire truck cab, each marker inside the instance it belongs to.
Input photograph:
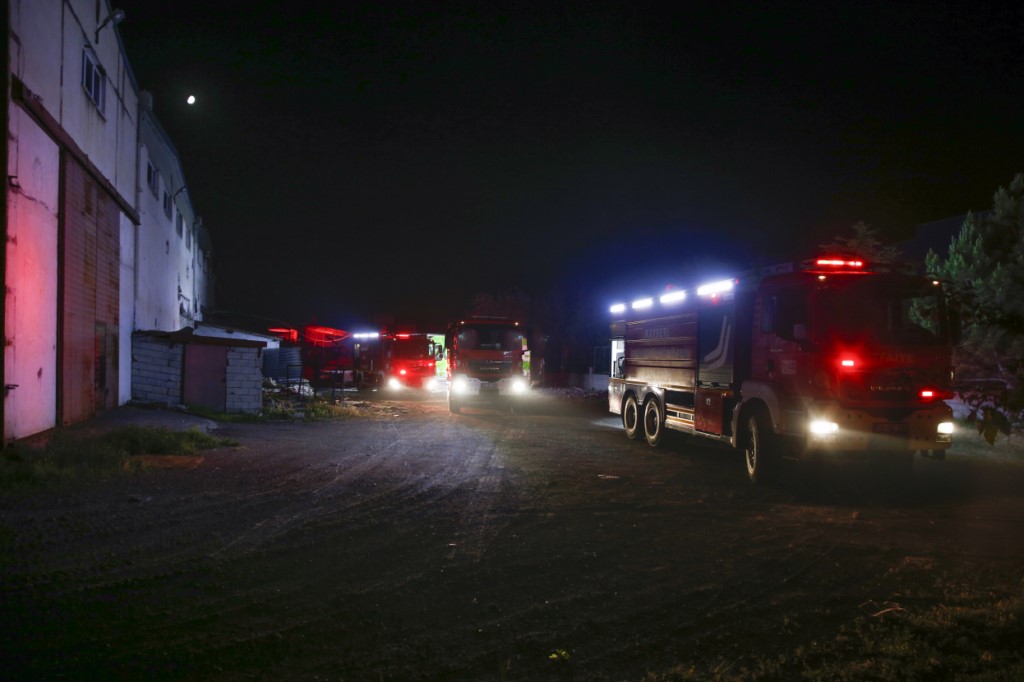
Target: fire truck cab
(396, 361)
(486, 363)
(823, 358)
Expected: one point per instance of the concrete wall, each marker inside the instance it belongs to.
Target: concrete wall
(156, 369)
(596, 382)
(245, 381)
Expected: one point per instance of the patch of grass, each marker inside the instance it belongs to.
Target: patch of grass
(224, 417)
(310, 409)
(972, 637)
(67, 456)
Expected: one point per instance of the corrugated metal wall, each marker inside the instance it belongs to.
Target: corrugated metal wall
(90, 274)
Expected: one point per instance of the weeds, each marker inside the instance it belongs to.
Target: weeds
(67, 456)
(973, 637)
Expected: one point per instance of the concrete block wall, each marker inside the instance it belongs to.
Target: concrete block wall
(156, 370)
(245, 380)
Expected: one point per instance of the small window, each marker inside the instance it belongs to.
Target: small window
(179, 225)
(168, 205)
(94, 79)
(153, 179)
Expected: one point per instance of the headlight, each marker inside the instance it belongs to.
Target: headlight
(946, 428)
(460, 385)
(821, 428)
(430, 384)
(394, 384)
(518, 386)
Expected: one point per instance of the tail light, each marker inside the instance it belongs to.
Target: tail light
(934, 394)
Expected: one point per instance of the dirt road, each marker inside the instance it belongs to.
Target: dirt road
(419, 545)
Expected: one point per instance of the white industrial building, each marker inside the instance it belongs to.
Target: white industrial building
(101, 237)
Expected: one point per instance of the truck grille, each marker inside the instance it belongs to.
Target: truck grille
(891, 385)
(490, 367)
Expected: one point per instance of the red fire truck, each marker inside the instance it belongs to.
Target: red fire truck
(395, 361)
(828, 357)
(486, 363)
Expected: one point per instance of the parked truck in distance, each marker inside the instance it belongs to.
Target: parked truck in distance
(486, 363)
(819, 359)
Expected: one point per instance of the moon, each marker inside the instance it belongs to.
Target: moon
(191, 99)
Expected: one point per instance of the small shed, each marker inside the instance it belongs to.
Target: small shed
(183, 368)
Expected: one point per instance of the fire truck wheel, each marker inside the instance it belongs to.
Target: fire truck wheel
(653, 423)
(453, 406)
(631, 417)
(758, 452)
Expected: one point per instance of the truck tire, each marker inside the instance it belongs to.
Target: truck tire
(654, 423)
(759, 450)
(454, 406)
(631, 417)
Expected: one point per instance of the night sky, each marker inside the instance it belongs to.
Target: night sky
(356, 158)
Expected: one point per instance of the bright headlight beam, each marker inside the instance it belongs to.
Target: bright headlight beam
(821, 427)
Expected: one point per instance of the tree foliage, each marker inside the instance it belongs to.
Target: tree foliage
(864, 244)
(984, 273)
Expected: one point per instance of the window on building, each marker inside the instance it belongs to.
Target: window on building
(179, 224)
(94, 79)
(188, 239)
(153, 179)
(168, 204)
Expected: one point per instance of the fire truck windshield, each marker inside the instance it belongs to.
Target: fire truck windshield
(870, 311)
(490, 337)
(411, 349)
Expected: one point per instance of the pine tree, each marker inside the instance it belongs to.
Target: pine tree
(864, 244)
(984, 273)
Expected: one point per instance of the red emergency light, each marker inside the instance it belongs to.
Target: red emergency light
(840, 263)
(285, 334)
(318, 335)
(932, 393)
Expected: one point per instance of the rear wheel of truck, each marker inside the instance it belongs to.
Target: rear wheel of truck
(653, 422)
(759, 451)
(631, 417)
